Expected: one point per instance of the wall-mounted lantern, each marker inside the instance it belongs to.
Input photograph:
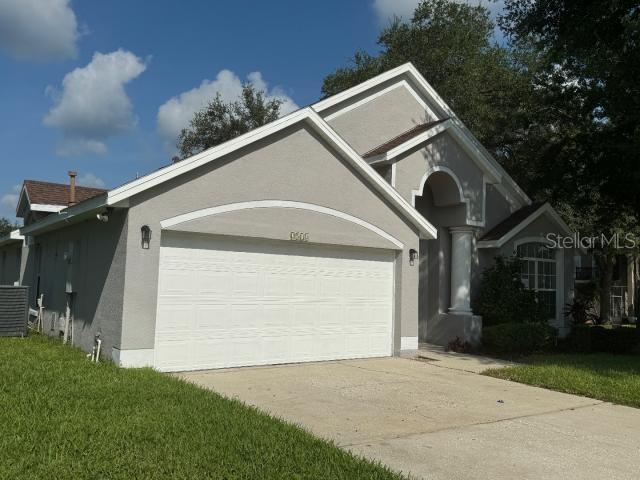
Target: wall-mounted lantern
(413, 255)
(145, 232)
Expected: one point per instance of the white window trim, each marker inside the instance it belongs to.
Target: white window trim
(559, 320)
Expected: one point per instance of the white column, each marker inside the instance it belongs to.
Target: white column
(461, 246)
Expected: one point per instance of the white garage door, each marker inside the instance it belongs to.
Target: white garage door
(228, 302)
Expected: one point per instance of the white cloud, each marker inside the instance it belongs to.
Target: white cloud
(9, 201)
(176, 113)
(90, 180)
(93, 105)
(386, 9)
(38, 29)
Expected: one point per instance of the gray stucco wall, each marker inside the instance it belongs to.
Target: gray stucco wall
(294, 165)
(497, 208)
(380, 119)
(442, 151)
(536, 230)
(269, 223)
(10, 263)
(97, 273)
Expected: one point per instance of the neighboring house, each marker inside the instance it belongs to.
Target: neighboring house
(356, 227)
(625, 283)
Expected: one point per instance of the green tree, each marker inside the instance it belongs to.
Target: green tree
(586, 135)
(451, 44)
(6, 226)
(220, 121)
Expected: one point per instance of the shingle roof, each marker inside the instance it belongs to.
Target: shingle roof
(517, 217)
(402, 138)
(49, 193)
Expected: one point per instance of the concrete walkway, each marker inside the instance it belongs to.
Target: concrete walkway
(435, 419)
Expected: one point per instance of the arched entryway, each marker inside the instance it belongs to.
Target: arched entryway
(445, 265)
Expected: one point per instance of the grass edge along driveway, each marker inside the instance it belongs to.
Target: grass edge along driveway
(607, 377)
(64, 417)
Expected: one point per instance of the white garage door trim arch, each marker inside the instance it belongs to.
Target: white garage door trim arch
(231, 207)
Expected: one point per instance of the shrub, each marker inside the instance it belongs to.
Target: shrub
(518, 338)
(606, 339)
(502, 297)
(582, 309)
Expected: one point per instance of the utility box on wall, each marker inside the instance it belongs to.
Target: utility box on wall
(14, 311)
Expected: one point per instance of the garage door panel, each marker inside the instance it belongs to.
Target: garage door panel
(214, 283)
(276, 317)
(225, 303)
(277, 348)
(246, 283)
(213, 317)
(173, 354)
(277, 284)
(177, 282)
(175, 317)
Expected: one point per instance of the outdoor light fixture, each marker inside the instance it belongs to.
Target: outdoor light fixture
(146, 236)
(413, 254)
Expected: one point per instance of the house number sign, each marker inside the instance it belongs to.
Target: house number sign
(299, 236)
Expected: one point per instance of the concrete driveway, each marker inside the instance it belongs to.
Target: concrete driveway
(436, 419)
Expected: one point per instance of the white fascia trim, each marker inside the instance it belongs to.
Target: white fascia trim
(409, 144)
(357, 89)
(402, 84)
(393, 175)
(155, 178)
(408, 343)
(494, 174)
(544, 209)
(41, 207)
(318, 124)
(206, 212)
(443, 111)
(427, 230)
(24, 192)
(13, 237)
(65, 216)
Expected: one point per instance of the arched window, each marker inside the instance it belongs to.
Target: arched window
(539, 273)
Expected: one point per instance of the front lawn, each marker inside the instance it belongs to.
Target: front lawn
(613, 378)
(63, 417)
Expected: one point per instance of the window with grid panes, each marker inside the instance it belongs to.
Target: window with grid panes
(539, 273)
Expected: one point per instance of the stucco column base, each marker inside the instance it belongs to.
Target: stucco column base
(446, 327)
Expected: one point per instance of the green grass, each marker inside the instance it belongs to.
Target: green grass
(613, 378)
(63, 417)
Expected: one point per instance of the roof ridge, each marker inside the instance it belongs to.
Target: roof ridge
(62, 184)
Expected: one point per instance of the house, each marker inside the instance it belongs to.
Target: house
(356, 227)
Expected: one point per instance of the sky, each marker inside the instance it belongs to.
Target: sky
(104, 88)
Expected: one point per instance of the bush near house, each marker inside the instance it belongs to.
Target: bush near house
(502, 297)
(605, 338)
(513, 320)
(518, 338)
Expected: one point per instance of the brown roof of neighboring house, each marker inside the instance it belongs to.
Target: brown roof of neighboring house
(49, 193)
(509, 223)
(402, 138)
